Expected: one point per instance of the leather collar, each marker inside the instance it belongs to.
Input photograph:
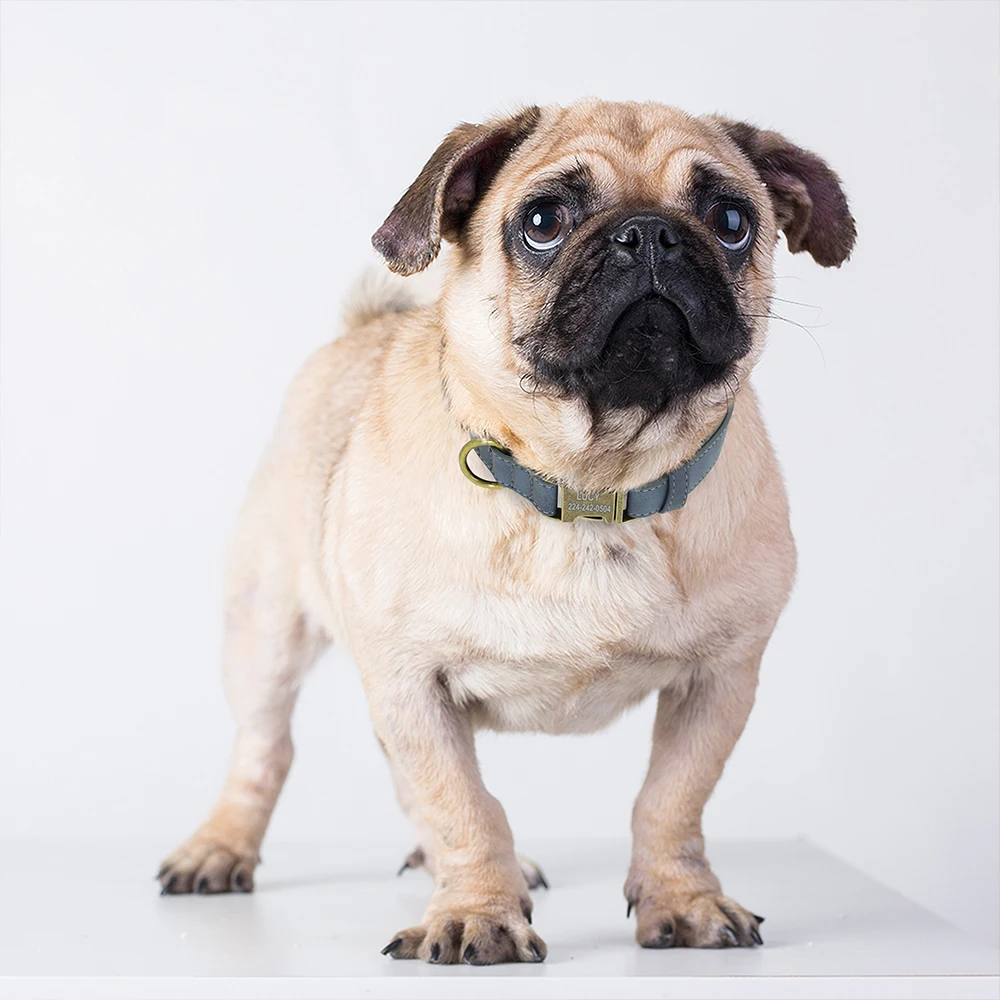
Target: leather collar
(555, 500)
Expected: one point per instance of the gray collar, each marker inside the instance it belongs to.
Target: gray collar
(669, 492)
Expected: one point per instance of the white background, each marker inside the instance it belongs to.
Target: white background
(188, 190)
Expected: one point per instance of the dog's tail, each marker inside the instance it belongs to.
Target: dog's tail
(378, 291)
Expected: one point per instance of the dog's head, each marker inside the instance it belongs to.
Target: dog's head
(614, 260)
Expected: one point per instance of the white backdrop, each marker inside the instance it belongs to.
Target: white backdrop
(189, 189)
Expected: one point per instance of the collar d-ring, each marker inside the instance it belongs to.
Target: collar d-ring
(463, 461)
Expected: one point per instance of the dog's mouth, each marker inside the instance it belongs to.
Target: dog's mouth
(649, 332)
(649, 354)
(642, 323)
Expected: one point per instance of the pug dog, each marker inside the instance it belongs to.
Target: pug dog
(533, 501)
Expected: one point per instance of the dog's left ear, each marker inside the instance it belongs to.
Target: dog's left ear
(809, 202)
(438, 202)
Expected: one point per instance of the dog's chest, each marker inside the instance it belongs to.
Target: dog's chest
(571, 629)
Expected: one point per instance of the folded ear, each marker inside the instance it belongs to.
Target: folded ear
(809, 202)
(438, 202)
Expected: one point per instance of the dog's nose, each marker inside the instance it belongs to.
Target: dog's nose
(646, 237)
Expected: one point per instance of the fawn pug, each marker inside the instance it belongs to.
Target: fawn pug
(587, 359)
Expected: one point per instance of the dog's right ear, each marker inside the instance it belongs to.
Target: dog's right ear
(439, 201)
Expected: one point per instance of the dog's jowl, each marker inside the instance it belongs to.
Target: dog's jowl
(530, 498)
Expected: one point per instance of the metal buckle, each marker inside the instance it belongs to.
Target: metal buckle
(607, 505)
(463, 461)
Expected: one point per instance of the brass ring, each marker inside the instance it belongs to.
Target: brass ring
(463, 461)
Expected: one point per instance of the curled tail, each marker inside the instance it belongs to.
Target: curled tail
(378, 291)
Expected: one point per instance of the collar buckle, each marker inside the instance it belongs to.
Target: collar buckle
(605, 505)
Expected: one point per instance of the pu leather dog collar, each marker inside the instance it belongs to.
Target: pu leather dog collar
(669, 492)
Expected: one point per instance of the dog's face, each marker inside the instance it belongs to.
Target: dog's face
(616, 258)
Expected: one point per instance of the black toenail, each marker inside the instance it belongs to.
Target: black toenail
(469, 955)
(168, 886)
(755, 934)
(435, 951)
(759, 920)
(202, 887)
(392, 946)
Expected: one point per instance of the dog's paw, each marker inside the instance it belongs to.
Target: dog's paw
(415, 859)
(533, 875)
(475, 935)
(206, 866)
(664, 920)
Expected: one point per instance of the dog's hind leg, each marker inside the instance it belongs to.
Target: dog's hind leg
(269, 645)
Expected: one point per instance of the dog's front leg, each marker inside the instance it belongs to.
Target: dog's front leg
(676, 896)
(480, 910)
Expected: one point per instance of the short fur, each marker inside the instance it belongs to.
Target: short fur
(467, 609)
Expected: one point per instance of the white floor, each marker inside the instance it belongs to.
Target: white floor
(84, 920)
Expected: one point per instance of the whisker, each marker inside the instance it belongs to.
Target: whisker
(801, 326)
(804, 305)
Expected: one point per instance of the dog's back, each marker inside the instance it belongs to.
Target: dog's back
(284, 506)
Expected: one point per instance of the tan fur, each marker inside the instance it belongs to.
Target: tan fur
(467, 609)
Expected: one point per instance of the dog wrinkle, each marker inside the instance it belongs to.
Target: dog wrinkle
(664, 533)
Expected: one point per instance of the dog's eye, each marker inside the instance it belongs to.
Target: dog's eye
(546, 225)
(730, 224)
